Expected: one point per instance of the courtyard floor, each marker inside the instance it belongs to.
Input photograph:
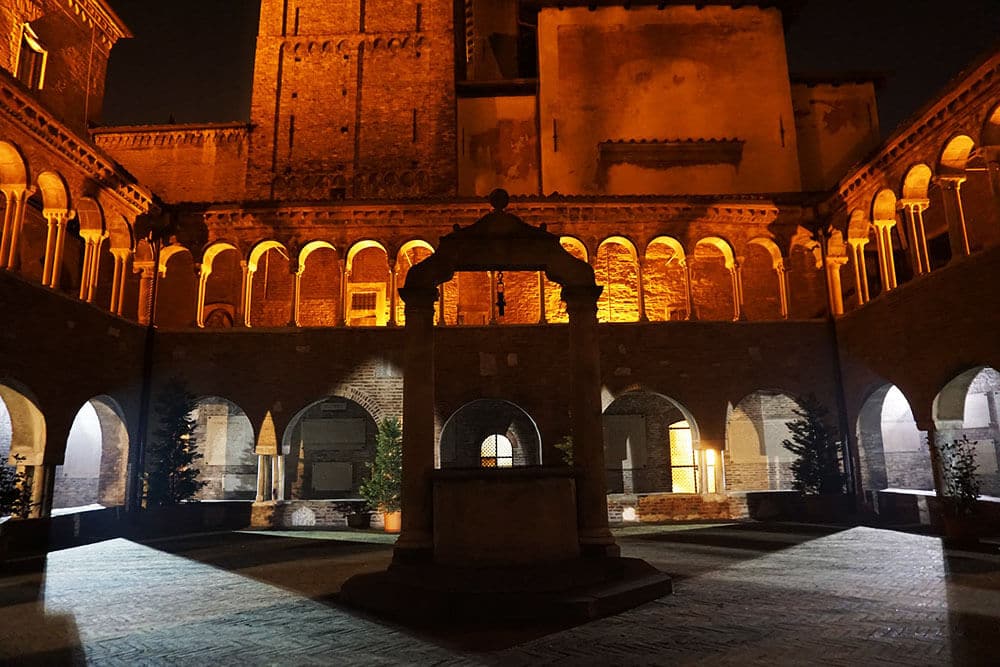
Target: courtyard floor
(745, 594)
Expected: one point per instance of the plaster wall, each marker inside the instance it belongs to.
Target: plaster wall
(498, 145)
(675, 73)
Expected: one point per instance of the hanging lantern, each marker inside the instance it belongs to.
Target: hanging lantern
(501, 299)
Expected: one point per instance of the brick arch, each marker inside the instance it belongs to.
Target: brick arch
(620, 276)
(464, 431)
(991, 128)
(713, 293)
(949, 404)
(900, 460)
(954, 156)
(884, 205)
(13, 167)
(917, 181)
(664, 280)
(762, 271)
(78, 481)
(755, 430)
(28, 424)
(54, 191)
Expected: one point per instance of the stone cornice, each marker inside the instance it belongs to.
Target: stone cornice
(141, 136)
(24, 111)
(931, 118)
(99, 15)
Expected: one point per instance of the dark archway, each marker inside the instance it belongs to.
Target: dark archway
(892, 451)
(328, 446)
(93, 469)
(464, 437)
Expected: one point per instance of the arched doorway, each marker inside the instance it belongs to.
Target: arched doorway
(93, 471)
(489, 433)
(225, 439)
(329, 446)
(756, 460)
(22, 441)
(649, 445)
(969, 407)
(892, 451)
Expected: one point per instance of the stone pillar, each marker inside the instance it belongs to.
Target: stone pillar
(261, 477)
(248, 295)
(687, 289)
(50, 246)
(585, 413)
(937, 467)
(416, 541)
(887, 262)
(240, 310)
(542, 317)
(280, 481)
(958, 235)
(913, 211)
(734, 274)
(836, 289)
(642, 290)
(393, 295)
(860, 271)
(42, 483)
(272, 493)
(17, 200)
(146, 272)
(206, 271)
(782, 273)
(95, 268)
(297, 298)
(493, 297)
(345, 276)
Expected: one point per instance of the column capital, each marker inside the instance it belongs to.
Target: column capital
(884, 224)
(951, 181)
(857, 243)
(58, 215)
(834, 260)
(914, 204)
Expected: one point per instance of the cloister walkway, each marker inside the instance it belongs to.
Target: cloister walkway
(744, 594)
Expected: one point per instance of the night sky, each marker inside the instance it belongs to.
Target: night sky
(193, 59)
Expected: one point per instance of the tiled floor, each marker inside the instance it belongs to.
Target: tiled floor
(744, 594)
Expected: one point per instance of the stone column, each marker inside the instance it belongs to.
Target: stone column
(734, 274)
(345, 276)
(95, 268)
(542, 317)
(642, 290)
(493, 297)
(585, 413)
(272, 493)
(248, 295)
(261, 477)
(146, 272)
(958, 235)
(887, 262)
(913, 210)
(937, 467)
(206, 271)
(836, 289)
(42, 483)
(297, 297)
(860, 271)
(280, 482)
(50, 246)
(416, 541)
(782, 273)
(687, 289)
(393, 295)
(17, 200)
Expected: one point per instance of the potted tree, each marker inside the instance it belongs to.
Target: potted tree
(961, 490)
(817, 472)
(383, 489)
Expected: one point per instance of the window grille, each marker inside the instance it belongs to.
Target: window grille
(496, 452)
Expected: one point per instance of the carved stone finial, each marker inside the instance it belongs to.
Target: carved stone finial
(499, 199)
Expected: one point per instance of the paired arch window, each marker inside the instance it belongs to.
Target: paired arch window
(496, 452)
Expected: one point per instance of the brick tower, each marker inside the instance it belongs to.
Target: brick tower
(353, 99)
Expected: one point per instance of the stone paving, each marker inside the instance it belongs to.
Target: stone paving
(747, 594)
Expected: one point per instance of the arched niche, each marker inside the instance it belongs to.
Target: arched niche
(94, 465)
(328, 447)
(664, 279)
(755, 430)
(177, 289)
(225, 438)
(319, 284)
(271, 286)
(893, 452)
(367, 289)
(712, 293)
(649, 445)
(616, 267)
(761, 270)
(223, 277)
(468, 429)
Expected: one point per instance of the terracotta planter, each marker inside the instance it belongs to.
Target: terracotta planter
(393, 521)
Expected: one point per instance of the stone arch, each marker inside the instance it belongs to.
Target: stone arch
(91, 217)
(319, 275)
(367, 290)
(954, 157)
(916, 182)
(25, 430)
(713, 282)
(54, 191)
(665, 280)
(616, 267)
(762, 270)
(225, 437)
(13, 167)
(884, 205)
(328, 446)
(410, 253)
(755, 430)
(892, 451)
(649, 444)
(177, 291)
(991, 128)
(94, 465)
(807, 298)
(222, 277)
(468, 427)
(270, 292)
(969, 406)
(555, 308)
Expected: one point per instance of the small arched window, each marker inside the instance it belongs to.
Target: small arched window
(496, 452)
